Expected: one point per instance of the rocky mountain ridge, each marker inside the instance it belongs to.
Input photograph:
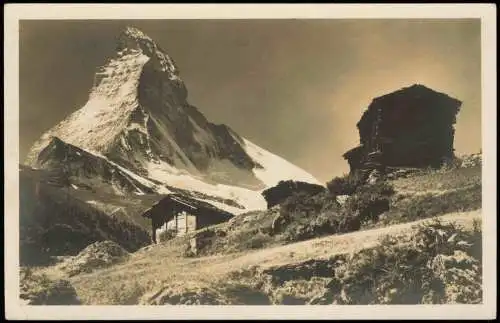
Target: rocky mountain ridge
(138, 134)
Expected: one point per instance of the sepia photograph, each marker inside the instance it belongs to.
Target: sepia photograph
(279, 163)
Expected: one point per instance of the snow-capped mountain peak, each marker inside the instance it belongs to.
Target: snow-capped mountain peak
(138, 118)
(132, 39)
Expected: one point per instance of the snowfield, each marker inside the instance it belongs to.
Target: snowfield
(275, 168)
(251, 200)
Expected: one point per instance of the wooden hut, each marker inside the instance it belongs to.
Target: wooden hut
(412, 127)
(183, 214)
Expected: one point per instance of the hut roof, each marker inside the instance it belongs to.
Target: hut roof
(188, 203)
(354, 151)
(415, 90)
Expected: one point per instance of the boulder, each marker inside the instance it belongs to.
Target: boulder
(97, 255)
(38, 289)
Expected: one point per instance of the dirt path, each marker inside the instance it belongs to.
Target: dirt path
(327, 246)
(153, 270)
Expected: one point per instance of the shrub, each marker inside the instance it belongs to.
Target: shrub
(127, 293)
(302, 205)
(345, 185)
(242, 240)
(256, 241)
(323, 224)
(369, 201)
(304, 217)
(437, 264)
(208, 240)
(451, 163)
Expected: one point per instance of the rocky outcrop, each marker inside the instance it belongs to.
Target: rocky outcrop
(97, 255)
(53, 222)
(184, 296)
(84, 169)
(38, 289)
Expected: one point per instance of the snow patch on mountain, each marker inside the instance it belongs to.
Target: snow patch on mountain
(250, 199)
(114, 96)
(275, 168)
(158, 188)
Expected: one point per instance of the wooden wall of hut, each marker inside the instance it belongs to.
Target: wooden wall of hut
(415, 128)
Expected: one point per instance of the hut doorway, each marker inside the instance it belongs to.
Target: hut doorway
(182, 223)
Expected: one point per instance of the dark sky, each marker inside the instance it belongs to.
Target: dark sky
(294, 87)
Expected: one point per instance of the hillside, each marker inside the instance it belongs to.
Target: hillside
(324, 270)
(53, 222)
(152, 273)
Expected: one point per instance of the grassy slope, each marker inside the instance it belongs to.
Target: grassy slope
(434, 193)
(430, 194)
(440, 180)
(150, 271)
(165, 270)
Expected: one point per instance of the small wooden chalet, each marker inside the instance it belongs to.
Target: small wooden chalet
(183, 214)
(412, 127)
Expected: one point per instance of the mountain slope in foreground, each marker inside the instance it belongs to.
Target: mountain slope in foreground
(431, 233)
(329, 270)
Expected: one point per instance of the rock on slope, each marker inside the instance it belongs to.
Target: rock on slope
(138, 132)
(100, 254)
(36, 289)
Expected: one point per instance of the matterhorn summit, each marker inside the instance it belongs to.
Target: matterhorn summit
(138, 134)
